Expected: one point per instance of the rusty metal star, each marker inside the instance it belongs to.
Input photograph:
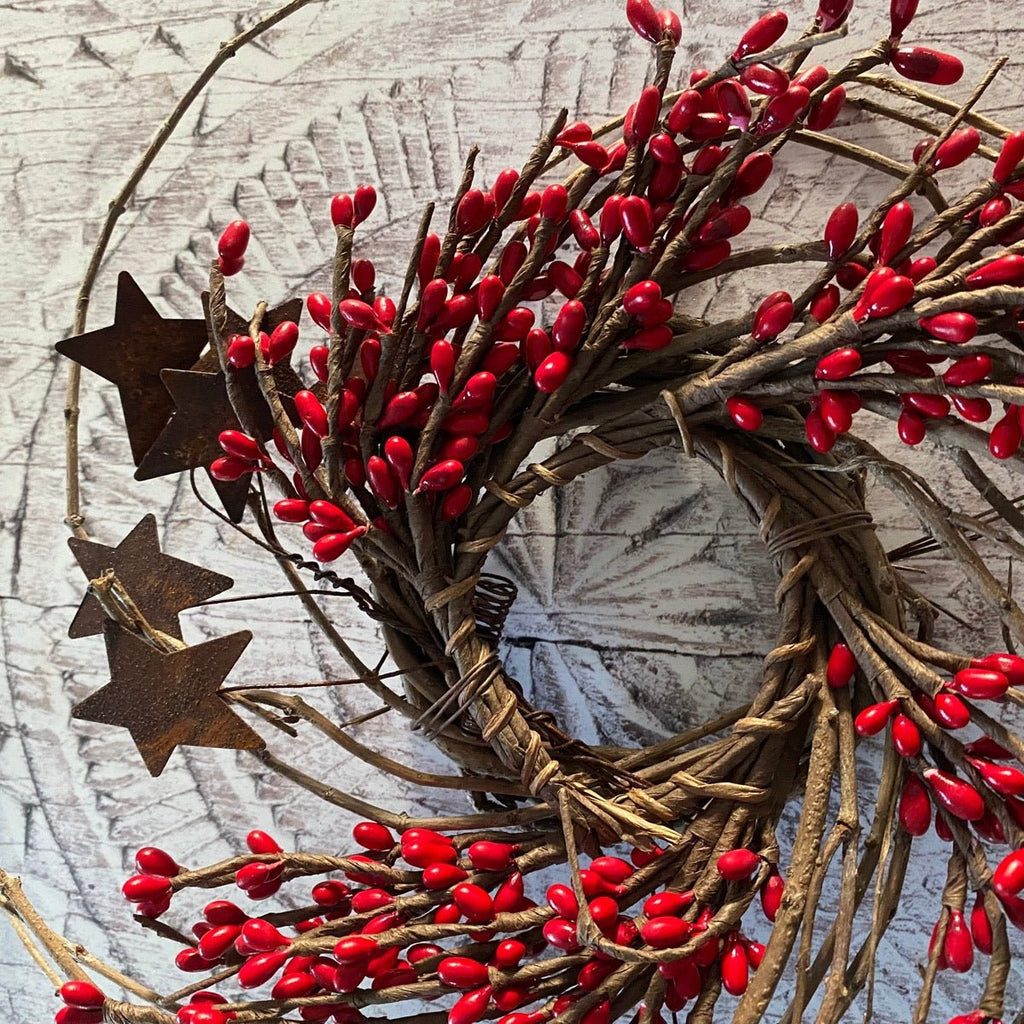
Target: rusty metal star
(169, 700)
(160, 584)
(131, 352)
(189, 440)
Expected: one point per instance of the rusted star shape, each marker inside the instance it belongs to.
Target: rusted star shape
(169, 700)
(189, 440)
(131, 352)
(159, 584)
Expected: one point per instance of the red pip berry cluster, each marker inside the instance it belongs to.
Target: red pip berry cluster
(884, 286)
(360, 934)
(475, 357)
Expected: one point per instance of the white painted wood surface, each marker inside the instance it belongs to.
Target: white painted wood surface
(392, 92)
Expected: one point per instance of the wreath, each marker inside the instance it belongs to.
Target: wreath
(540, 332)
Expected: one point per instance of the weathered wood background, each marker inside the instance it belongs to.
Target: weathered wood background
(645, 601)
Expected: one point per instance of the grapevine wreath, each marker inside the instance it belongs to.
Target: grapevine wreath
(399, 434)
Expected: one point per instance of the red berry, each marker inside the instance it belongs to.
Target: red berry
(665, 932)
(841, 667)
(921, 64)
(491, 856)
(959, 798)
(981, 927)
(819, 435)
(1008, 269)
(1005, 439)
(837, 409)
(1010, 156)
(772, 317)
(142, 888)
(637, 222)
(906, 737)
(744, 413)
(901, 13)
(230, 468)
(766, 31)
(951, 711)
(771, 894)
(838, 364)
(363, 203)
(735, 969)
(824, 113)
(551, 374)
(233, 241)
(738, 865)
(874, 718)
(78, 1015)
(1008, 878)
(82, 994)
(783, 111)
(764, 79)
(956, 149)
(841, 230)
(260, 968)
(956, 328)
(241, 352)
(471, 1007)
(980, 683)
(896, 231)
(915, 809)
(462, 972)
(151, 860)
(561, 934)
(958, 950)
(342, 211)
(642, 16)
(319, 307)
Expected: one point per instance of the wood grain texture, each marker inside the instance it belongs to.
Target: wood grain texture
(645, 600)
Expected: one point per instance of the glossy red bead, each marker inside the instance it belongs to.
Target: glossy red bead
(896, 230)
(665, 932)
(772, 317)
(738, 865)
(745, 414)
(915, 808)
(823, 114)
(841, 230)
(1010, 156)
(1008, 878)
(552, 372)
(838, 364)
(922, 64)
(906, 737)
(1005, 439)
(956, 149)
(475, 209)
(980, 683)
(874, 718)
(1008, 269)
(765, 32)
(959, 798)
(782, 111)
(643, 18)
(487, 855)
(82, 994)
(901, 14)
(233, 241)
(956, 328)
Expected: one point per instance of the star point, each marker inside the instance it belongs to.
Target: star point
(167, 700)
(160, 584)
